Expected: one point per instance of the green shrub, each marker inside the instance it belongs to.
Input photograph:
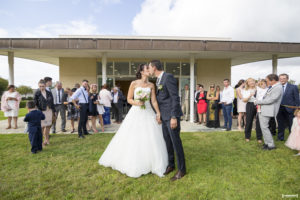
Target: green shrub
(23, 104)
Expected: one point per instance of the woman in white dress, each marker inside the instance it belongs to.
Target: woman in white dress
(241, 105)
(138, 147)
(10, 102)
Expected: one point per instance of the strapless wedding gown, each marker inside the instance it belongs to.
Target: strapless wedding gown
(138, 147)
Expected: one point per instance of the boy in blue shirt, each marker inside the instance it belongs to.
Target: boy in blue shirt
(34, 118)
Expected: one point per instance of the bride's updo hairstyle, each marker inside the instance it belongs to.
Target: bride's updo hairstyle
(140, 68)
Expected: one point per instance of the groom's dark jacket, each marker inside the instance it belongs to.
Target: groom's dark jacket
(168, 98)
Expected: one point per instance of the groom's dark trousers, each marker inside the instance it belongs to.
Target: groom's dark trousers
(173, 141)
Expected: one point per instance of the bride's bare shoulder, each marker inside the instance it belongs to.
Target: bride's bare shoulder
(133, 84)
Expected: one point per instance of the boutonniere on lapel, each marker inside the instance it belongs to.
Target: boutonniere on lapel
(160, 87)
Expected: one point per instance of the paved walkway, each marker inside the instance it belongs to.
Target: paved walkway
(185, 127)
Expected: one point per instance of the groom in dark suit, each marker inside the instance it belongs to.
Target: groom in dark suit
(169, 105)
(291, 98)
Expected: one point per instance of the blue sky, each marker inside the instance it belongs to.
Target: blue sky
(249, 20)
(111, 16)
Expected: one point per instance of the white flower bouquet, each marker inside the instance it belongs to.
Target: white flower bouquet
(142, 96)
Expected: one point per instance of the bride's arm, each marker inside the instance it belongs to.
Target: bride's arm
(154, 102)
(130, 96)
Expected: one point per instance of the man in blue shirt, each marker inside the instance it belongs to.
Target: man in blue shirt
(82, 96)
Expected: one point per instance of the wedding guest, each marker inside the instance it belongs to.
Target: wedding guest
(249, 97)
(106, 98)
(234, 103)
(101, 111)
(88, 127)
(213, 97)
(81, 95)
(226, 101)
(43, 99)
(196, 117)
(241, 105)
(290, 98)
(48, 83)
(10, 102)
(269, 108)
(73, 112)
(93, 98)
(218, 89)
(202, 105)
(118, 100)
(185, 102)
(77, 85)
(293, 141)
(59, 97)
(34, 118)
(261, 90)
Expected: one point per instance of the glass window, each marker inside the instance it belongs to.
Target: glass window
(121, 68)
(99, 83)
(185, 69)
(173, 68)
(134, 66)
(99, 68)
(109, 68)
(110, 83)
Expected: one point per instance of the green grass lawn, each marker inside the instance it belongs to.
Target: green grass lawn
(220, 165)
(22, 113)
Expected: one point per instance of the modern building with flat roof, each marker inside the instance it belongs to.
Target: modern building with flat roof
(114, 59)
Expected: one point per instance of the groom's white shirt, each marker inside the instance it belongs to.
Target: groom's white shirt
(159, 77)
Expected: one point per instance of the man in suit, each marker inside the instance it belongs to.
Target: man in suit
(169, 105)
(185, 102)
(59, 97)
(291, 98)
(118, 100)
(269, 108)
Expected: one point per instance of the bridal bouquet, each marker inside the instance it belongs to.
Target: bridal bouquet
(142, 96)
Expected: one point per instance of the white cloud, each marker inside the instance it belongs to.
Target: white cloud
(3, 33)
(75, 27)
(268, 20)
(249, 20)
(258, 70)
(28, 72)
(36, 70)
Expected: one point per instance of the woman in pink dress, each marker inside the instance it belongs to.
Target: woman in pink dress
(10, 102)
(293, 142)
(201, 104)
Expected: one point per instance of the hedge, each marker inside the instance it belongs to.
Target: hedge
(23, 104)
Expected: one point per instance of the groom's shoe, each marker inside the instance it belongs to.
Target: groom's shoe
(177, 176)
(169, 170)
(265, 147)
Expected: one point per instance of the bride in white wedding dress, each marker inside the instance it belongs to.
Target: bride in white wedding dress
(138, 147)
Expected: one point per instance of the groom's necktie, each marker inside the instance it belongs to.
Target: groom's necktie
(267, 91)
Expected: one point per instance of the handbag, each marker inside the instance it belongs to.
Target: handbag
(214, 106)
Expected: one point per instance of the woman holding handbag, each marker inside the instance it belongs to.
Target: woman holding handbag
(201, 104)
